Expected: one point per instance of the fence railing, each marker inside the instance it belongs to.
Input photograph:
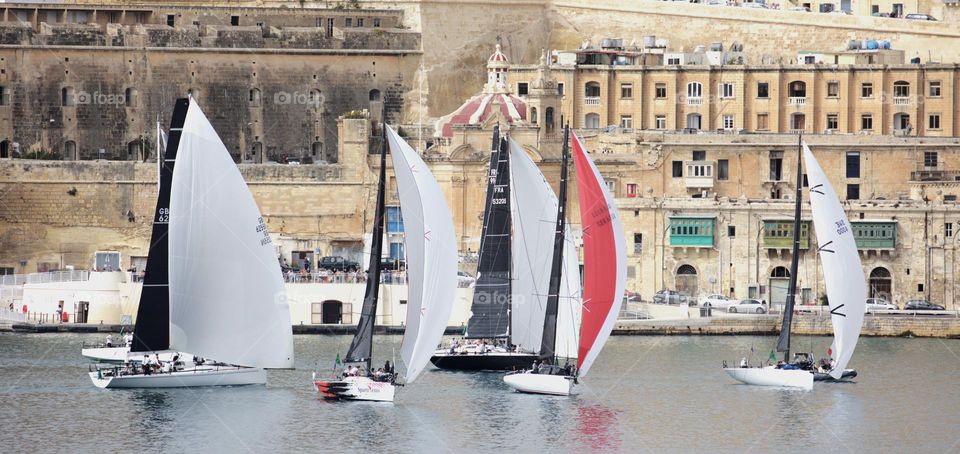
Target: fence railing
(354, 277)
(43, 278)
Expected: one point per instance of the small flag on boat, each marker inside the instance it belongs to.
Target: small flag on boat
(337, 362)
(773, 355)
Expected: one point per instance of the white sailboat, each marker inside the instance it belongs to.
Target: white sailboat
(846, 290)
(604, 283)
(227, 297)
(431, 248)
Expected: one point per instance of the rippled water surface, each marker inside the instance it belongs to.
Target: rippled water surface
(643, 394)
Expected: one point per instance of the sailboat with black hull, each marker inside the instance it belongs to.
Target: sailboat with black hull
(431, 269)
(215, 289)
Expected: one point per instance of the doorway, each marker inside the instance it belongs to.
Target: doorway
(81, 309)
(332, 312)
(779, 286)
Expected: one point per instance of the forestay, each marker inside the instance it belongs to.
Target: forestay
(842, 270)
(227, 296)
(604, 258)
(431, 248)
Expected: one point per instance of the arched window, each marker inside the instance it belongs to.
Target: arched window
(134, 148)
(316, 150)
(881, 284)
(901, 89)
(67, 96)
(548, 118)
(780, 272)
(687, 281)
(686, 269)
(70, 151)
(255, 97)
(592, 90)
(694, 90)
(256, 152)
(130, 97)
(374, 95)
(798, 89)
(533, 115)
(592, 121)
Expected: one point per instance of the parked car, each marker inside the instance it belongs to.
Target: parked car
(921, 305)
(464, 280)
(877, 304)
(389, 264)
(919, 16)
(753, 5)
(800, 8)
(748, 306)
(840, 12)
(717, 301)
(337, 263)
(669, 297)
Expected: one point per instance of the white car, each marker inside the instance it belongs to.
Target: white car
(753, 5)
(716, 301)
(748, 306)
(800, 8)
(877, 304)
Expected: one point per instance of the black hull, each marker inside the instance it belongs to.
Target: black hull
(848, 375)
(485, 361)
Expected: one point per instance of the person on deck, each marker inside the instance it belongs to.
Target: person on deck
(743, 362)
(128, 338)
(109, 340)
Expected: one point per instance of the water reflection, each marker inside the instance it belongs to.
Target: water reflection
(597, 426)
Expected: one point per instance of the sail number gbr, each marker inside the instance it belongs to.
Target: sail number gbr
(163, 215)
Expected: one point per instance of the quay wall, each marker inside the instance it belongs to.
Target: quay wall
(803, 324)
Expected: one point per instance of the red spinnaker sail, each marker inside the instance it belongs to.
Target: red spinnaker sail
(604, 258)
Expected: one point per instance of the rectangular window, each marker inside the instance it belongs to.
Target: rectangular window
(329, 27)
(626, 91)
(930, 158)
(673, 61)
(560, 88)
(763, 121)
(359, 22)
(833, 121)
(728, 122)
(348, 22)
(776, 165)
(677, 169)
(934, 121)
(4, 96)
(637, 243)
(661, 122)
(631, 189)
(235, 20)
(626, 121)
(763, 90)
(866, 90)
(853, 191)
(853, 164)
(934, 88)
(171, 20)
(948, 229)
(661, 91)
(376, 23)
(833, 89)
(731, 231)
(866, 122)
(723, 169)
(726, 90)
(901, 90)
(523, 89)
(394, 220)
(699, 155)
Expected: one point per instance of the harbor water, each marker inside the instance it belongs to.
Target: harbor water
(644, 394)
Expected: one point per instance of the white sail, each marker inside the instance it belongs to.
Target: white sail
(534, 213)
(431, 249)
(568, 306)
(842, 270)
(227, 297)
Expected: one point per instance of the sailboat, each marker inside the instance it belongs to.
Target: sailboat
(154, 290)
(604, 281)
(431, 250)
(846, 289)
(225, 298)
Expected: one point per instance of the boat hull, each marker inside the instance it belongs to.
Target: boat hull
(771, 376)
(526, 382)
(355, 388)
(200, 376)
(443, 359)
(848, 375)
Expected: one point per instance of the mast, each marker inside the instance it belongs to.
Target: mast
(490, 317)
(361, 348)
(548, 345)
(783, 343)
(152, 329)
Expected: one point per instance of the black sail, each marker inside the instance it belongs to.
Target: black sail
(549, 343)
(783, 342)
(361, 348)
(490, 311)
(152, 330)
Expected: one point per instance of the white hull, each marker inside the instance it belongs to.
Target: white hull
(200, 376)
(771, 376)
(356, 388)
(106, 354)
(525, 382)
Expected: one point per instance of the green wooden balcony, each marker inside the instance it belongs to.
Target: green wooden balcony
(778, 234)
(875, 234)
(692, 231)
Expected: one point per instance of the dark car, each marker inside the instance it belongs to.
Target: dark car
(336, 263)
(922, 305)
(669, 297)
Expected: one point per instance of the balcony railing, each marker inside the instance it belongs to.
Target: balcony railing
(694, 100)
(798, 100)
(592, 100)
(901, 100)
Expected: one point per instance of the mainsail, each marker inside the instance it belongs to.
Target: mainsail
(490, 317)
(227, 301)
(604, 258)
(842, 270)
(783, 341)
(152, 330)
(431, 248)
